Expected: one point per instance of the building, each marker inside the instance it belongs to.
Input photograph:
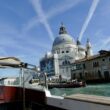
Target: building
(49, 64)
(96, 67)
(65, 50)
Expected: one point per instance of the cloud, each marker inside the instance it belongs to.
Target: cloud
(37, 6)
(62, 7)
(3, 52)
(102, 42)
(12, 38)
(106, 42)
(105, 6)
(101, 45)
(7, 38)
(30, 24)
(88, 18)
(56, 10)
(42, 18)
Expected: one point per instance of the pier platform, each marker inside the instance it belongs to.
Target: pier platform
(80, 102)
(90, 98)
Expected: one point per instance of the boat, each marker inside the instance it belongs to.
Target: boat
(58, 82)
(70, 84)
(16, 92)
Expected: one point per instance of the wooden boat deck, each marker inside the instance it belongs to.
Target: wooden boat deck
(90, 98)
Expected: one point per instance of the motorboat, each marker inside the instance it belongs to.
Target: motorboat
(70, 84)
(15, 90)
(58, 82)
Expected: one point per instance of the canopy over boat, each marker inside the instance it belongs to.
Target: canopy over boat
(14, 62)
(10, 61)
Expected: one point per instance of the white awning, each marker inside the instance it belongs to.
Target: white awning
(10, 61)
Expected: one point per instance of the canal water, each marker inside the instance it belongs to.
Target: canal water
(96, 89)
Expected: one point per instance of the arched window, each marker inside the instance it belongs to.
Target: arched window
(62, 51)
(99, 74)
(67, 51)
(65, 62)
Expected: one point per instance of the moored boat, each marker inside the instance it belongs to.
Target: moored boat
(58, 82)
(66, 85)
(16, 92)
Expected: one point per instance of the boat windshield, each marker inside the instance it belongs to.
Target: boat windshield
(14, 72)
(9, 76)
(16, 76)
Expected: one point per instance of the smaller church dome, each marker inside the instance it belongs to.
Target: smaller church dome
(88, 44)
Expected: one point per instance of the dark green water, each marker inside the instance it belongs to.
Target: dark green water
(99, 89)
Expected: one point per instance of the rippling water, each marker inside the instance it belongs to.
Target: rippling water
(99, 89)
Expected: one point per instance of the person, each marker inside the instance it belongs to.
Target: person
(60, 78)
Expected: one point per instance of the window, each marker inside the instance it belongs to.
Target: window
(84, 66)
(66, 69)
(99, 74)
(67, 51)
(80, 74)
(103, 59)
(63, 70)
(58, 51)
(106, 75)
(68, 62)
(78, 66)
(95, 64)
(65, 62)
(74, 67)
(62, 51)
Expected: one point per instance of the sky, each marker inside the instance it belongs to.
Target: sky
(29, 27)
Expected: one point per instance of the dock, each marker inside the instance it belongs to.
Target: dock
(90, 98)
(81, 102)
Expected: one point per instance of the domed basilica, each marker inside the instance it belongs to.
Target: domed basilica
(65, 50)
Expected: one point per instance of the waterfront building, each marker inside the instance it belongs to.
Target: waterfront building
(65, 51)
(96, 67)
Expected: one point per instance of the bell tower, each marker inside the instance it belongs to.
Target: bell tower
(88, 48)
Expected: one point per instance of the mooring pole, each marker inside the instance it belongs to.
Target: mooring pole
(46, 85)
(23, 82)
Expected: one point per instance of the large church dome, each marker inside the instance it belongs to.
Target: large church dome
(63, 37)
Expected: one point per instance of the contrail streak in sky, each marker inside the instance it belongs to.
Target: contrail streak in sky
(88, 18)
(37, 6)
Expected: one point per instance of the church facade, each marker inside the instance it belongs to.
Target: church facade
(65, 51)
